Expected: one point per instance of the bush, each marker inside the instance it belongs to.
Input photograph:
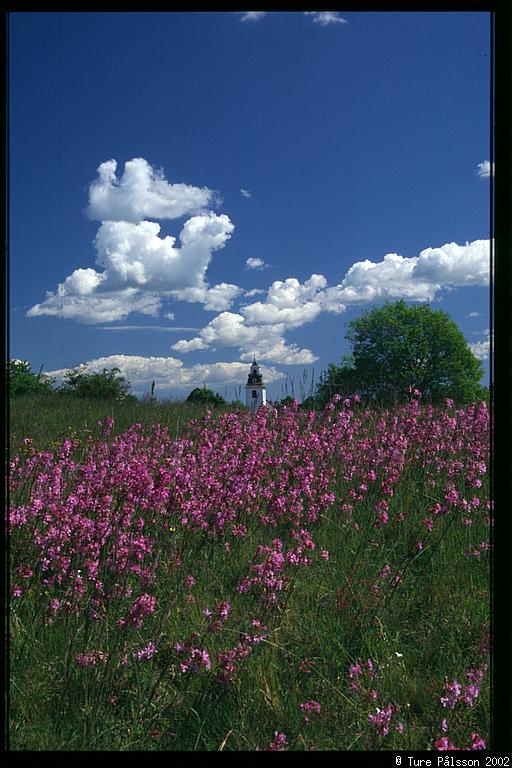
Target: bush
(23, 381)
(107, 385)
(205, 396)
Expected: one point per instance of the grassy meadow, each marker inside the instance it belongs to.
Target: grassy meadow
(181, 580)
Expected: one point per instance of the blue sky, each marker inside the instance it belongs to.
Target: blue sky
(190, 189)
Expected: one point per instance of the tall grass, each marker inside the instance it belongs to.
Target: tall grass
(289, 581)
(53, 416)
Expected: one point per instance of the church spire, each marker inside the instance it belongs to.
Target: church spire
(255, 389)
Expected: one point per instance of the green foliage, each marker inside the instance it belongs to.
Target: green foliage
(341, 380)
(205, 396)
(288, 400)
(309, 404)
(397, 348)
(23, 381)
(107, 385)
(49, 417)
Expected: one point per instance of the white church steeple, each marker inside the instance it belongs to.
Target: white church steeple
(255, 389)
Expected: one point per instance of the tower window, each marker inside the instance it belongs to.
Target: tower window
(254, 393)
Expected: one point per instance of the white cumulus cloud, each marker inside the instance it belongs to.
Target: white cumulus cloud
(245, 193)
(142, 192)
(417, 278)
(255, 263)
(230, 329)
(189, 346)
(259, 327)
(139, 266)
(325, 18)
(454, 265)
(98, 308)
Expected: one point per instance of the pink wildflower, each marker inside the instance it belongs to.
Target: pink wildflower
(307, 707)
(278, 743)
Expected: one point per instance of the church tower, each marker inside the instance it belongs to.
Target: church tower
(255, 389)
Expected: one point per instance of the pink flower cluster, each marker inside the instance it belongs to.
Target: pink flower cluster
(192, 659)
(142, 607)
(228, 661)
(218, 616)
(381, 719)
(308, 707)
(363, 676)
(278, 743)
(467, 694)
(145, 653)
(443, 743)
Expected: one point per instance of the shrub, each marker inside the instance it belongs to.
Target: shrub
(205, 396)
(107, 385)
(23, 381)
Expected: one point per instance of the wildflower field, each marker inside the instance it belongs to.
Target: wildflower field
(289, 581)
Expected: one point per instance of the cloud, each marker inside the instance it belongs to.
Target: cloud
(139, 267)
(474, 314)
(288, 302)
(481, 349)
(101, 308)
(142, 192)
(253, 16)
(255, 263)
(259, 327)
(230, 329)
(151, 328)
(189, 346)
(325, 18)
(454, 265)
(484, 169)
(221, 296)
(170, 372)
(218, 297)
(245, 193)
(418, 278)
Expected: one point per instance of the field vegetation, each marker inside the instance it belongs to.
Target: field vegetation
(193, 579)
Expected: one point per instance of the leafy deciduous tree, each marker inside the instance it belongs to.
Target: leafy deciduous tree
(396, 348)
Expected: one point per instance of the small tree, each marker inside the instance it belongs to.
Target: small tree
(202, 395)
(397, 348)
(23, 381)
(107, 385)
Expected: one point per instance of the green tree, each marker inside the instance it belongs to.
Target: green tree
(396, 348)
(107, 385)
(23, 381)
(338, 380)
(205, 396)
